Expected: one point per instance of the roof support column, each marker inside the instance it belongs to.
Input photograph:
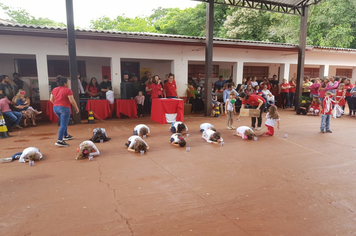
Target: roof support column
(323, 71)
(284, 71)
(179, 68)
(354, 73)
(72, 56)
(240, 72)
(42, 73)
(209, 55)
(301, 53)
(115, 67)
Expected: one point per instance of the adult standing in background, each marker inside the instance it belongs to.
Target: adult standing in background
(93, 88)
(83, 82)
(348, 87)
(104, 85)
(306, 85)
(285, 86)
(220, 83)
(6, 88)
(170, 88)
(314, 88)
(135, 86)
(17, 81)
(62, 99)
(333, 84)
(200, 83)
(227, 92)
(293, 86)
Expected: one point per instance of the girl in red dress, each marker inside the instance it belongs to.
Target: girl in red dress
(340, 97)
(315, 107)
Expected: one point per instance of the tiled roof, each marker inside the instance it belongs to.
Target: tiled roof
(165, 37)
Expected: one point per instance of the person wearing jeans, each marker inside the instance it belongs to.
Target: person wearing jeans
(62, 99)
(13, 117)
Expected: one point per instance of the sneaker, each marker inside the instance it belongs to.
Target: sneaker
(17, 126)
(328, 131)
(229, 127)
(253, 128)
(258, 128)
(61, 144)
(322, 131)
(232, 127)
(68, 137)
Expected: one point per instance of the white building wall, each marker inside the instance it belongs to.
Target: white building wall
(163, 57)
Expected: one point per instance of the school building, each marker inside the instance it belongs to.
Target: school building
(39, 54)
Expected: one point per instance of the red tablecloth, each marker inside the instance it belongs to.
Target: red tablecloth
(100, 108)
(127, 107)
(50, 113)
(161, 106)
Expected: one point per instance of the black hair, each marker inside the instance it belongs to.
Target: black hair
(244, 95)
(99, 135)
(15, 74)
(105, 77)
(61, 81)
(170, 74)
(109, 88)
(2, 95)
(91, 83)
(180, 127)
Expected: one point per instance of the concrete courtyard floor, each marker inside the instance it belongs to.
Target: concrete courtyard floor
(301, 185)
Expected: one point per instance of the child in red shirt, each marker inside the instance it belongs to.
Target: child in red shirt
(315, 107)
(326, 113)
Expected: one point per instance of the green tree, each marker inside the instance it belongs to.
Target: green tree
(21, 16)
(122, 23)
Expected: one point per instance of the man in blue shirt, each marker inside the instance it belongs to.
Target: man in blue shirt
(227, 92)
(220, 83)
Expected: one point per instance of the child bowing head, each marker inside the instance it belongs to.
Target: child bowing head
(178, 139)
(245, 132)
(141, 130)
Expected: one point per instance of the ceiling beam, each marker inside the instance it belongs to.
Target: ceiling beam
(265, 5)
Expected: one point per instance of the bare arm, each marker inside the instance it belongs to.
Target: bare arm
(52, 99)
(74, 104)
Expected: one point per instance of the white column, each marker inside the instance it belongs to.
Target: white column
(353, 74)
(115, 66)
(284, 71)
(234, 73)
(42, 73)
(180, 71)
(323, 71)
(239, 71)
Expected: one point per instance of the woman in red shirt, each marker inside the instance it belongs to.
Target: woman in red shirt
(256, 102)
(348, 87)
(285, 94)
(62, 99)
(293, 86)
(156, 88)
(170, 87)
(93, 88)
(149, 88)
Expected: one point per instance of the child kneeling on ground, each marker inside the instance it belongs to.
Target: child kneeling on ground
(212, 136)
(28, 154)
(178, 127)
(141, 130)
(178, 139)
(86, 149)
(136, 144)
(245, 132)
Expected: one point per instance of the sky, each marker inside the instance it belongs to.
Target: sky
(86, 10)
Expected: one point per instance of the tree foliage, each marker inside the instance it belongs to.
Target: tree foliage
(331, 23)
(21, 16)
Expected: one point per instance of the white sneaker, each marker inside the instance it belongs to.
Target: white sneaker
(258, 128)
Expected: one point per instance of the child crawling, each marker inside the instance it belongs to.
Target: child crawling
(136, 144)
(212, 136)
(86, 149)
(245, 132)
(178, 140)
(28, 154)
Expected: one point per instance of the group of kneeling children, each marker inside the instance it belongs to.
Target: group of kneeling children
(137, 144)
